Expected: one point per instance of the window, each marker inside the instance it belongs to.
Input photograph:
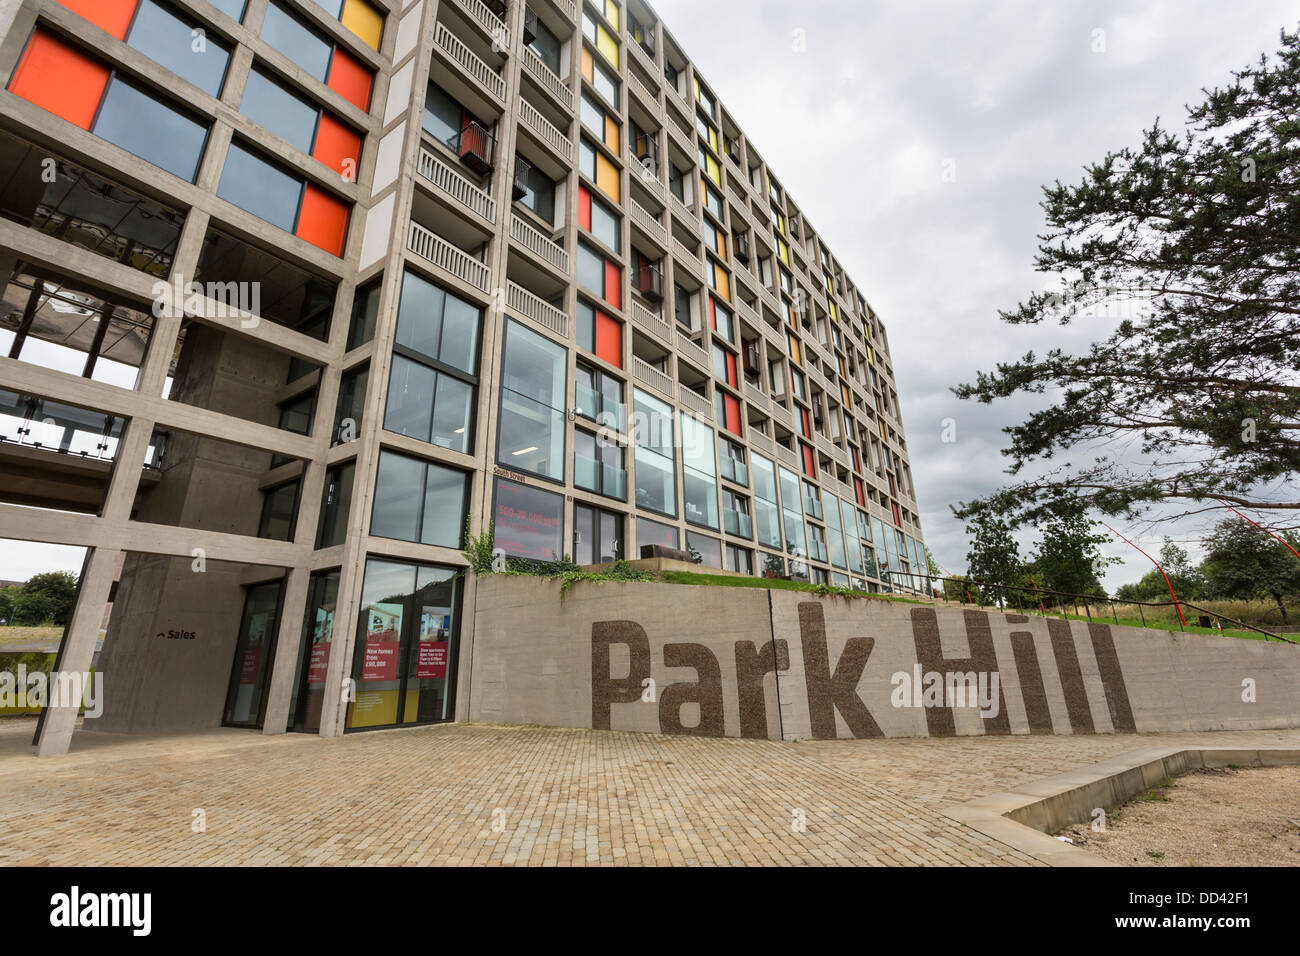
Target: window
(733, 462)
(359, 17)
(546, 45)
(598, 122)
(704, 97)
(352, 400)
(158, 33)
(720, 319)
(600, 334)
(835, 533)
(704, 550)
(767, 516)
(283, 199)
(308, 697)
(699, 473)
(606, 83)
(600, 220)
(318, 56)
(792, 513)
(740, 560)
(599, 397)
(598, 465)
(712, 200)
(600, 276)
(597, 535)
(528, 522)
(431, 387)
(336, 503)
(602, 38)
(655, 455)
(598, 169)
(682, 306)
(677, 182)
(301, 123)
(539, 189)
(812, 502)
(652, 532)
(417, 500)
(735, 514)
(444, 117)
(291, 296)
(530, 436)
(365, 310)
(710, 165)
(279, 509)
(816, 543)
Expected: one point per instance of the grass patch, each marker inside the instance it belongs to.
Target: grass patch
(774, 584)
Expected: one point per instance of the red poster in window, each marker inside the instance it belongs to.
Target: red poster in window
(432, 660)
(379, 662)
(251, 665)
(320, 662)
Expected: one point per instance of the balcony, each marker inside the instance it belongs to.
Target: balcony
(787, 457)
(489, 20)
(757, 398)
(683, 212)
(648, 280)
(650, 225)
(474, 68)
(553, 85)
(643, 59)
(693, 350)
(476, 147)
(646, 176)
(647, 374)
(539, 244)
(760, 441)
(456, 187)
(646, 98)
(545, 131)
(653, 323)
(681, 138)
(430, 246)
(695, 402)
(520, 300)
(685, 257)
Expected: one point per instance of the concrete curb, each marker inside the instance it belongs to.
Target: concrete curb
(1026, 817)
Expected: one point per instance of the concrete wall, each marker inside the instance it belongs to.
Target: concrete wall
(842, 667)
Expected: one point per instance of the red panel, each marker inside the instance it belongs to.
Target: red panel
(857, 462)
(713, 315)
(111, 16)
(803, 423)
(337, 146)
(613, 285)
(609, 339)
(857, 491)
(731, 370)
(897, 520)
(61, 79)
(584, 208)
(733, 414)
(809, 465)
(323, 220)
(351, 80)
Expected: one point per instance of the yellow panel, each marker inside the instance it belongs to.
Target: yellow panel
(697, 87)
(715, 172)
(722, 243)
(607, 45)
(611, 134)
(794, 350)
(363, 20)
(721, 281)
(588, 65)
(607, 177)
(783, 251)
(611, 12)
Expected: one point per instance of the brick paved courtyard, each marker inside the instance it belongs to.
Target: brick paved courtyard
(477, 794)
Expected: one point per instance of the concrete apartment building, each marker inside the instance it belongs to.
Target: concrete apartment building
(296, 290)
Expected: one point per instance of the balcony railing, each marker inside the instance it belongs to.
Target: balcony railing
(536, 308)
(647, 374)
(545, 129)
(476, 147)
(553, 84)
(685, 256)
(683, 212)
(787, 457)
(489, 20)
(760, 441)
(647, 98)
(737, 523)
(431, 246)
(695, 401)
(538, 243)
(757, 398)
(489, 79)
(645, 175)
(692, 350)
(653, 323)
(457, 186)
(596, 476)
(650, 223)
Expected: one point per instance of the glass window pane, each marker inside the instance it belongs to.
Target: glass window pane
(652, 532)
(336, 504)
(531, 433)
(134, 120)
(529, 521)
(460, 321)
(297, 42)
(167, 40)
(419, 315)
(288, 116)
(444, 507)
(399, 490)
(256, 186)
(410, 398)
(451, 411)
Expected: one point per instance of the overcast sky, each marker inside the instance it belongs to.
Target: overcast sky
(859, 125)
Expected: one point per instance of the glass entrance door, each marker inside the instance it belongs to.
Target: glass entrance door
(254, 652)
(404, 663)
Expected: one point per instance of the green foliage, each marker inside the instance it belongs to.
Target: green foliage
(1069, 558)
(45, 599)
(1187, 579)
(478, 548)
(1243, 562)
(1193, 235)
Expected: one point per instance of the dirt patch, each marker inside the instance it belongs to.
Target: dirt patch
(1222, 817)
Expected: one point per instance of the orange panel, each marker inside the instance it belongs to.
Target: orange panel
(60, 78)
(338, 147)
(351, 80)
(323, 220)
(111, 16)
(809, 466)
(609, 340)
(733, 413)
(613, 285)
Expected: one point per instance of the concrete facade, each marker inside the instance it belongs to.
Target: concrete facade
(803, 378)
(684, 659)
